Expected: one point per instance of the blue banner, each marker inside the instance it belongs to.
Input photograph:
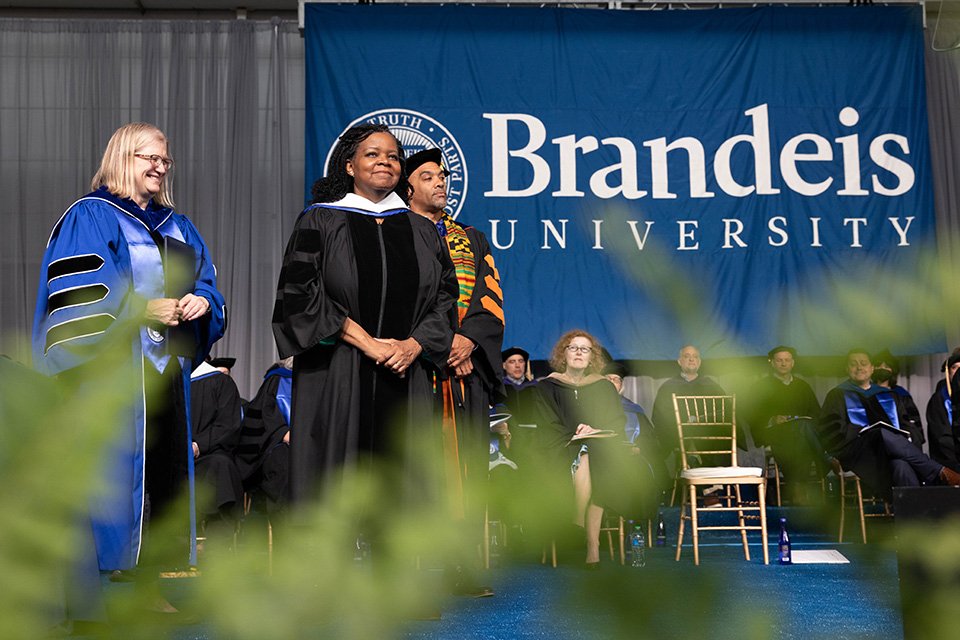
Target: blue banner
(729, 178)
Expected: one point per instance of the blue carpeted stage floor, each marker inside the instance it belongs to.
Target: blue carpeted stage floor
(724, 597)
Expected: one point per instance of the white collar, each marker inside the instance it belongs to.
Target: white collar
(354, 201)
(205, 368)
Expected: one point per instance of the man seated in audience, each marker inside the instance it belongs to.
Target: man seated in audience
(519, 404)
(940, 415)
(652, 477)
(882, 456)
(688, 382)
(782, 411)
(263, 453)
(215, 421)
(886, 369)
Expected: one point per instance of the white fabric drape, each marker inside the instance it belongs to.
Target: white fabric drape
(229, 96)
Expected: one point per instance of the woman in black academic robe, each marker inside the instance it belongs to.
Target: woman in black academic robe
(365, 306)
(576, 401)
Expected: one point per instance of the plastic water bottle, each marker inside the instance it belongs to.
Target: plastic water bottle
(661, 531)
(637, 544)
(784, 543)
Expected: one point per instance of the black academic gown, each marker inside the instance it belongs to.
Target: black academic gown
(262, 456)
(564, 407)
(215, 415)
(664, 418)
(482, 322)
(770, 397)
(865, 454)
(344, 405)
(914, 422)
(940, 426)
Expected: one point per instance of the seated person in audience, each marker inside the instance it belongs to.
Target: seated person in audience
(652, 479)
(576, 400)
(886, 369)
(515, 368)
(940, 415)
(215, 421)
(688, 382)
(782, 411)
(263, 453)
(519, 401)
(881, 457)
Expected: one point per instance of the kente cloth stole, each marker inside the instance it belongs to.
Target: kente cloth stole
(463, 261)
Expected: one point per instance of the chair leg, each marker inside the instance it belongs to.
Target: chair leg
(623, 555)
(743, 523)
(693, 525)
(843, 506)
(763, 523)
(553, 553)
(776, 476)
(673, 494)
(683, 506)
(649, 532)
(863, 521)
(269, 547)
(486, 537)
(610, 543)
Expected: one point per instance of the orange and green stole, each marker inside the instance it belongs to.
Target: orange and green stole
(466, 268)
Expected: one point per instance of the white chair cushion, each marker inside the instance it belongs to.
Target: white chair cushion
(722, 472)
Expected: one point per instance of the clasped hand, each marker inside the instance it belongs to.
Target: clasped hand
(396, 355)
(170, 311)
(459, 359)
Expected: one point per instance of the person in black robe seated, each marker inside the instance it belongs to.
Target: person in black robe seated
(882, 456)
(688, 383)
(581, 432)
(215, 418)
(517, 433)
(263, 453)
(782, 411)
(886, 370)
(651, 478)
(941, 419)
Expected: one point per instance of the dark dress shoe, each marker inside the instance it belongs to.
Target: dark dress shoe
(461, 582)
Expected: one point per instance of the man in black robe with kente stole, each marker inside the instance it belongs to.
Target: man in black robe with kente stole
(474, 360)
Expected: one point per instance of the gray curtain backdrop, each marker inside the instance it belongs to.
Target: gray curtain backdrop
(230, 96)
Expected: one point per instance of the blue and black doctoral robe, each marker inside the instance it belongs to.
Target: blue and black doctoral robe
(101, 266)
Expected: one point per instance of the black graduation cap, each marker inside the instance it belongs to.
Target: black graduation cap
(889, 358)
(226, 363)
(423, 157)
(776, 350)
(617, 369)
(512, 351)
(952, 360)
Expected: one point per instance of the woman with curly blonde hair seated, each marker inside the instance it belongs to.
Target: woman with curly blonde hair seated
(577, 402)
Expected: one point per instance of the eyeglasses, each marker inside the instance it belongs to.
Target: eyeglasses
(156, 160)
(573, 349)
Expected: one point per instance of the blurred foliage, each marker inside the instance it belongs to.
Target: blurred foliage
(361, 560)
(51, 448)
